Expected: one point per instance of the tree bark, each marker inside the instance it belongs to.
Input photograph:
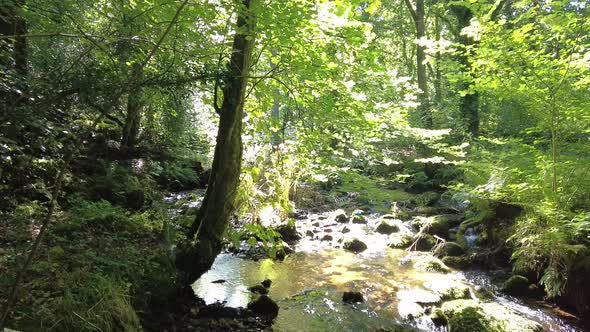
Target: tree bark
(418, 17)
(196, 255)
(469, 103)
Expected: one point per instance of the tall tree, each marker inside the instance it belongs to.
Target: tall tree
(205, 236)
(418, 16)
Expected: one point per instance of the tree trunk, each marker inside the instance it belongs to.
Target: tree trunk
(132, 119)
(469, 103)
(204, 243)
(418, 16)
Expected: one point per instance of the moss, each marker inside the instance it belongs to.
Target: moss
(448, 289)
(449, 249)
(516, 285)
(430, 264)
(371, 192)
(387, 228)
(459, 263)
(427, 199)
(439, 318)
(400, 240)
(468, 315)
(424, 242)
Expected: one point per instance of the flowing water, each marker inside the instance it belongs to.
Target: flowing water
(308, 285)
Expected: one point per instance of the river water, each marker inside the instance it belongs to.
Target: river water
(309, 283)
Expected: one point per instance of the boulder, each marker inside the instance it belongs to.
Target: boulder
(352, 297)
(424, 242)
(288, 232)
(449, 249)
(439, 318)
(448, 289)
(400, 240)
(459, 263)
(468, 315)
(345, 230)
(326, 237)
(264, 307)
(409, 310)
(430, 264)
(359, 219)
(342, 218)
(419, 296)
(266, 283)
(385, 227)
(355, 245)
(516, 285)
(258, 289)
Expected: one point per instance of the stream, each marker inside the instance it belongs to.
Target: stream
(308, 285)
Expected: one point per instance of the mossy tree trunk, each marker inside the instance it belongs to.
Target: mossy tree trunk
(469, 102)
(419, 18)
(196, 255)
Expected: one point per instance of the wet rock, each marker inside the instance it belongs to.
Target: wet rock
(328, 230)
(316, 224)
(468, 315)
(258, 289)
(345, 230)
(459, 263)
(409, 310)
(309, 233)
(449, 248)
(448, 289)
(218, 310)
(516, 285)
(400, 241)
(419, 296)
(430, 264)
(288, 232)
(322, 218)
(219, 281)
(327, 238)
(439, 318)
(264, 307)
(355, 245)
(434, 225)
(342, 218)
(469, 319)
(359, 219)
(424, 242)
(266, 283)
(352, 297)
(386, 228)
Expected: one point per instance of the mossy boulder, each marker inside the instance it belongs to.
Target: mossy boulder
(516, 285)
(387, 228)
(449, 248)
(400, 240)
(288, 232)
(439, 318)
(468, 315)
(341, 217)
(424, 242)
(430, 264)
(448, 289)
(456, 262)
(355, 245)
(359, 219)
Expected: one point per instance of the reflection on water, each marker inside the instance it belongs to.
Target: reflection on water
(308, 284)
